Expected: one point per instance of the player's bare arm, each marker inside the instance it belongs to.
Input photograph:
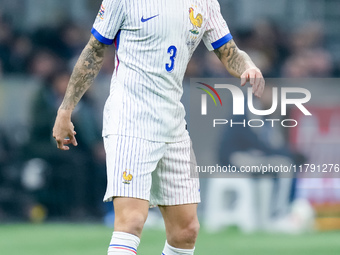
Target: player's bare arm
(83, 75)
(239, 64)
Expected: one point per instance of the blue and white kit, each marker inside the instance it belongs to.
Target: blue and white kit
(143, 115)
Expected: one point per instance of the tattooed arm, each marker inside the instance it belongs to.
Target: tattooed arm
(239, 64)
(84, 72)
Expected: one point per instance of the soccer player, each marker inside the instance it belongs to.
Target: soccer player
(145, 137)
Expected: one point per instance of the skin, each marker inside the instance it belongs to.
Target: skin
(181, 225)
(85, 71)
(130, 213)
(239, 64)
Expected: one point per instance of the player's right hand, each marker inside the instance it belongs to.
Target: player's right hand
(63, 130)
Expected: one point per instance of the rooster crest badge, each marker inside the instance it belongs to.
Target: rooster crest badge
(127, 177)
(195, 21)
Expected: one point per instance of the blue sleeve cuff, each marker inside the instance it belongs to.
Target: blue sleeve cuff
(222, 41)
(101, 38)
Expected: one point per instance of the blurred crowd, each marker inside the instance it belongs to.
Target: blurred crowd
(50, 182)
(41, 52)
(72, 184)
(278, 52)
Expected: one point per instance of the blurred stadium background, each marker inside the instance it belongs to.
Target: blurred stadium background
(50, 201)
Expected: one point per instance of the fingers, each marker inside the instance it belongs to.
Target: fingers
(261, 87)
(256, 83)
(244, 78)
(248, 75)
(62, 142)
(73, 139)
(255, 78)
(67, 141)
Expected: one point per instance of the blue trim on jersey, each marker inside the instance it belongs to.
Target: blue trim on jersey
(101, 38)
(222, 41)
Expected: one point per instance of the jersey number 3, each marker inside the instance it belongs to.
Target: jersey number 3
(172, 50)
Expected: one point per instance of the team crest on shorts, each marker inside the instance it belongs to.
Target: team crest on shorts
(195, 21)
(101, 12)
(127, 177)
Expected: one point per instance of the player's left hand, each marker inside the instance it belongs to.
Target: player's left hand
(256, 80)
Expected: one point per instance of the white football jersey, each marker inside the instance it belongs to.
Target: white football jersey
(154, 41)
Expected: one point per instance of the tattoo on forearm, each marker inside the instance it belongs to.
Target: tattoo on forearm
(235, 60)
(84, 72)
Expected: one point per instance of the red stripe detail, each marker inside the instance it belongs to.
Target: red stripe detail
(117, 63)
(214, 90)
(122, 248)
(115, 43)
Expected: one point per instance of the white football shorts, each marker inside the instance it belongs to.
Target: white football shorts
(155, 171)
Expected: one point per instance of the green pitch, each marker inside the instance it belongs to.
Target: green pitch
(77, 239)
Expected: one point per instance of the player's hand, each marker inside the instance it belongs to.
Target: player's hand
(63, 130)
(255, 78)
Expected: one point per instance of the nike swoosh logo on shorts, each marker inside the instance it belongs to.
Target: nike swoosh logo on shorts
(144, 20)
